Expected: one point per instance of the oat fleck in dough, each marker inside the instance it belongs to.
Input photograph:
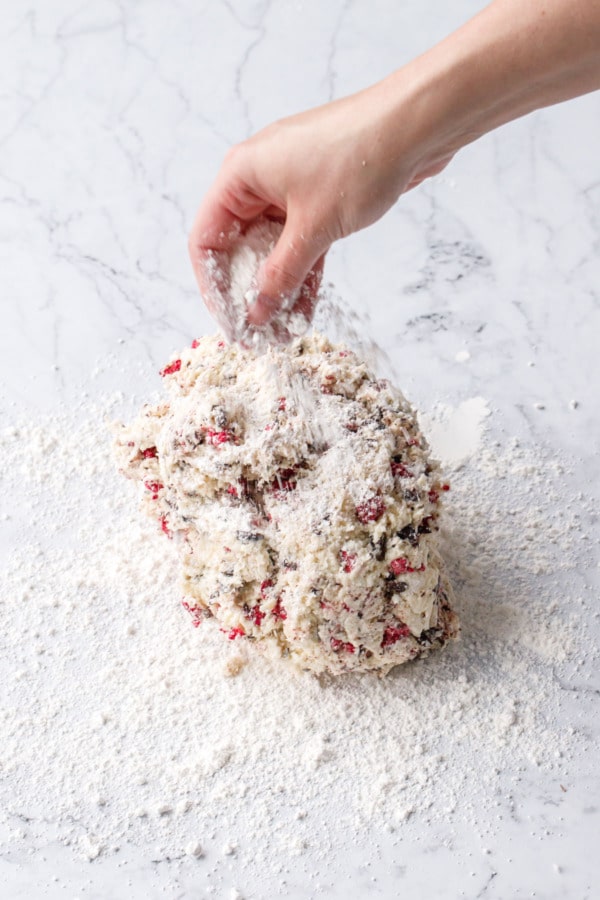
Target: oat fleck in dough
(303, 502)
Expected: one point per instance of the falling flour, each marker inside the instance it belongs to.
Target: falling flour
(232, 288)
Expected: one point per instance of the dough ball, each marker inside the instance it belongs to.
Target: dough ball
(304, 505)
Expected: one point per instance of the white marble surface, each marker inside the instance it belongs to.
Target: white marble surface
(114, 116)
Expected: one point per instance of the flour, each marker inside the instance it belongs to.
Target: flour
(233, 289)
(455, 433)
(302, 500)
(119, 728)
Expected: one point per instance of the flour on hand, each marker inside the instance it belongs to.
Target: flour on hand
(233, 289)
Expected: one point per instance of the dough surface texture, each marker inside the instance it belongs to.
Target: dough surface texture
(302, 500)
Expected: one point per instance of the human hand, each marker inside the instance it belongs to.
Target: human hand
(326, 173)
(334, 170)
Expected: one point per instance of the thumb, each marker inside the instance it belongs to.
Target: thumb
(286, 269)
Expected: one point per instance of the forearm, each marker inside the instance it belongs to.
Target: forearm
(513, 57)
(333, 170)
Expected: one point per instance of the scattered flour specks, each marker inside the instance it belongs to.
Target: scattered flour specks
(123, 725)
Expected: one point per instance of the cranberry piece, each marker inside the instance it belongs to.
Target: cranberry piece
(348, 560)
(281, 405)
(433, 496)
(284, 481)
(254, 613)
(232, 490)
(445, 487)
(371, 510)
(221, 345)
(278, 611)
(233, 633)
(150, 453)
(194, 611)
(337, 645)
(219, 437)
(400, 566)
(195, 343)
(165, 527)
(393, 633)
(154, 487)
(173, 367)
(400, 470)
(266, 584)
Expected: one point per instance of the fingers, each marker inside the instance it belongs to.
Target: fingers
(215, 228)
(293, 263)
(229, 203)
(222, 217)
(285, 281)
(228, 206)
(307, 300)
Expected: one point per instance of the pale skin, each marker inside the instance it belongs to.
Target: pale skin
(338, 168)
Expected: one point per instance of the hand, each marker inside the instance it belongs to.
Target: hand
(335, 169)
(326, 173)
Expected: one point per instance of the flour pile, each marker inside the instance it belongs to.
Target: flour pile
(302, 500)
(121, 731)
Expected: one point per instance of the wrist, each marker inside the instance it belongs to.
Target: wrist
(440, 101)
(508, 60)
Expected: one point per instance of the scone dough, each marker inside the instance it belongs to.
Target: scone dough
(304, 504)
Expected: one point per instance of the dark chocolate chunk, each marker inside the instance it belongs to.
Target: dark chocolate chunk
(426, 638)
(247, 536)
(379, 547)
(392, 587)
(220, 416)
(409, 534)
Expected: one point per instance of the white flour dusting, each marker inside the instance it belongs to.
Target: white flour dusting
(300, 495)
(233, 288)
(455, 433)
(122, 724)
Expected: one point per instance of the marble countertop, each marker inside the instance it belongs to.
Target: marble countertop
(114, 117)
